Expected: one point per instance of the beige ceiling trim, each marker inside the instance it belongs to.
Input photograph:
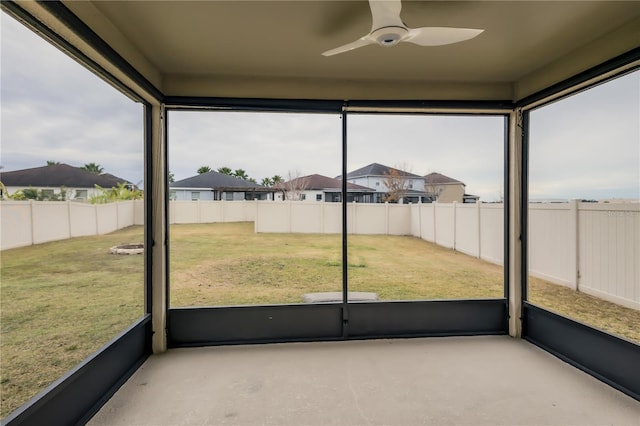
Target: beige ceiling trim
(332, 89)
(74, 40)
(595, 53)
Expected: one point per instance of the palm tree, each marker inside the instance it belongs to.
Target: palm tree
(93, 168)
(266, 182)
(225, 171)
(204, 169)
(240, 173)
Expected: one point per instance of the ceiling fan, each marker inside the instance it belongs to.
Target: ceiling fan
(388, 29)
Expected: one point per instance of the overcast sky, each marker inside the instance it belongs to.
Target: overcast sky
(587, 146)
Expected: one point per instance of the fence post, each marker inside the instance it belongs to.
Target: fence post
(33, 237)
(455, 224)
(573, 243)
(435, 239)
(478, 211)
(69, 217)
(386, 216)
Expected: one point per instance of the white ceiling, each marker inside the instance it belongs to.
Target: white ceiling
(273, 49)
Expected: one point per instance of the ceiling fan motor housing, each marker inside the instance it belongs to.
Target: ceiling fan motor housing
(389, 36)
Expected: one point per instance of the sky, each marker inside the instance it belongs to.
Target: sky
(53, 109)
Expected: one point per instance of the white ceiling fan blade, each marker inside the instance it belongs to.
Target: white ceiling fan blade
(439, 36)
(385, 13)
(364, 41)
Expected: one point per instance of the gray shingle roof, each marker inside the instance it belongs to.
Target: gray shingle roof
(215, 180)
(320, 182)
(437, 178)
(376, 169)
(57, 175)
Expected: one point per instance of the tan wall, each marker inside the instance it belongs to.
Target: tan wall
(451, 194)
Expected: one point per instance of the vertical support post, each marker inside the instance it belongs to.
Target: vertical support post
(573, 244)
(455, 223)
(479, 218)
(515, 204)
(33, 219)
(345, 260)
(158, 229)
(69, 221)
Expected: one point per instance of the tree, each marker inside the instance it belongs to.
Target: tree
(225, 171)
(241, 174)
(52, 163)
(397, 185)
(171, 177)
(122, 192)
(271, 181)
(93, 168)
(204, 169)
(295, 186)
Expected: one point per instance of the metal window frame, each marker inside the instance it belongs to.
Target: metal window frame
(607, 357)
(214, 325)
(76, 396)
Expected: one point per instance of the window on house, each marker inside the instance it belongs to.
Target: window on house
(56, 313)
(195, 195)
(583, 214)
(318, 197)
(81, 194)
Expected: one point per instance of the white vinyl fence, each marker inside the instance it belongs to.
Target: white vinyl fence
(23, 223)
(594, 248)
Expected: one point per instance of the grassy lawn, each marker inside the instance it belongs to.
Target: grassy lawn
(60, 302)
(63, 300)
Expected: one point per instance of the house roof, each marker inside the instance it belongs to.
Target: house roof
(320, 182)
(215, 180)
(57, 175)
(376, 169)
(440, 179)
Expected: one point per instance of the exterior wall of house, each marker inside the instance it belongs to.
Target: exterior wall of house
(75, 194)
(379, 183)
(191, 194)
(449, 193)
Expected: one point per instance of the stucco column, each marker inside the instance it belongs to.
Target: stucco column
(515, 221)
(158, 231)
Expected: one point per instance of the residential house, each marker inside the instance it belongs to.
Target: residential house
(52, 179)
(322, 188)
(447, 190)
(384, 180)
(217, 186)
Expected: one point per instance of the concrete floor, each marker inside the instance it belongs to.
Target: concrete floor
(455, 380)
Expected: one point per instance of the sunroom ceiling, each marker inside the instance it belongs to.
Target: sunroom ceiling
(272, 49)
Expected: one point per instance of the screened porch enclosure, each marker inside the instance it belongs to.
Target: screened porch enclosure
(498, 311)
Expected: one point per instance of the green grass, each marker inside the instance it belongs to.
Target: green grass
(63, 300)
(60, 302)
